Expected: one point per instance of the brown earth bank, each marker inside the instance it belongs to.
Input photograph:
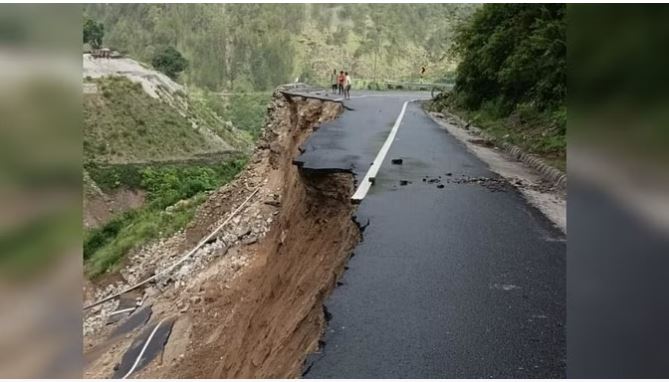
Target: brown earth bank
(255, 310)
(264, 324)
(100, 207)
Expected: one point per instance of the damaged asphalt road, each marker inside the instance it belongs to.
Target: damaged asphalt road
(452, 279)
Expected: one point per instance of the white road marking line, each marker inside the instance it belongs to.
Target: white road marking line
(365, 184)
(141, 353)
(123, 311)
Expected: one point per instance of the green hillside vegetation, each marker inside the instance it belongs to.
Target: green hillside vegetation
(259, 46)
(122, 123)
(246, 111)
(134, 141)
(174, 193)
(511, 79)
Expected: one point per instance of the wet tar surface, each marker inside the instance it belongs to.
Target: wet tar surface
(453, 278)
(154, 347)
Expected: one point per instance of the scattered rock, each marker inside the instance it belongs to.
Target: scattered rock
(440, 186)
(404, 182)
(495, 184)
(273, 203)
(250, 240)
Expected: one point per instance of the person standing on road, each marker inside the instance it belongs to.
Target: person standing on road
(340, 82)
(347, 86)
(333, 80)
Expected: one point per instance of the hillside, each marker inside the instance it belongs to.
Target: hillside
(259, 46)
(149, 144)
(135, 114)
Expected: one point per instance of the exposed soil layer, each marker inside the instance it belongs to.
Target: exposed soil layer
(100, 207)
(265, 322)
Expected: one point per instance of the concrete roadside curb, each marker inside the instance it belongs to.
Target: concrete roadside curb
(547, 172)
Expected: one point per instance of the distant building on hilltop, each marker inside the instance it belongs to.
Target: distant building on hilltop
(101, 52)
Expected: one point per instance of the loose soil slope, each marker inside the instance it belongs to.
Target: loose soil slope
(249, 302)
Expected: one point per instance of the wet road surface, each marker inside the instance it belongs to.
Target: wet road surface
(453, 279)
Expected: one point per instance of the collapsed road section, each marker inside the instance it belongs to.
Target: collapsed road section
(249, 302)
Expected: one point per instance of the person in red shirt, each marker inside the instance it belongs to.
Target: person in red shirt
(340, 81)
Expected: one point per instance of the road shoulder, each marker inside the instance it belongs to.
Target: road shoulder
(548, 198)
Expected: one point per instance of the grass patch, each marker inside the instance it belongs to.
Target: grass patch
(122, 123)
(179, 187)
(111, 177)
(541, 133)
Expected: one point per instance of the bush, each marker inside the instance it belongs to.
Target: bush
(166, 185)
(169, 61)
(93, 33)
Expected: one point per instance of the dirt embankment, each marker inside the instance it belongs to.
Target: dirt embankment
(100, 207)
(261, 317)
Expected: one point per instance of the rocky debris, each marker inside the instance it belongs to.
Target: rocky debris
(98, 315)
(250, 240)
(274, 201)
(494, 184)
(396, 161)
(404, 182)
(430, 180)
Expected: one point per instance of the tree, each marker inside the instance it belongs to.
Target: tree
(93, 33)
(511, 54)
(169, 61)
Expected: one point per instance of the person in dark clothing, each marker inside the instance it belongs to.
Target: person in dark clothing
(334, 80)
(347, 86)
